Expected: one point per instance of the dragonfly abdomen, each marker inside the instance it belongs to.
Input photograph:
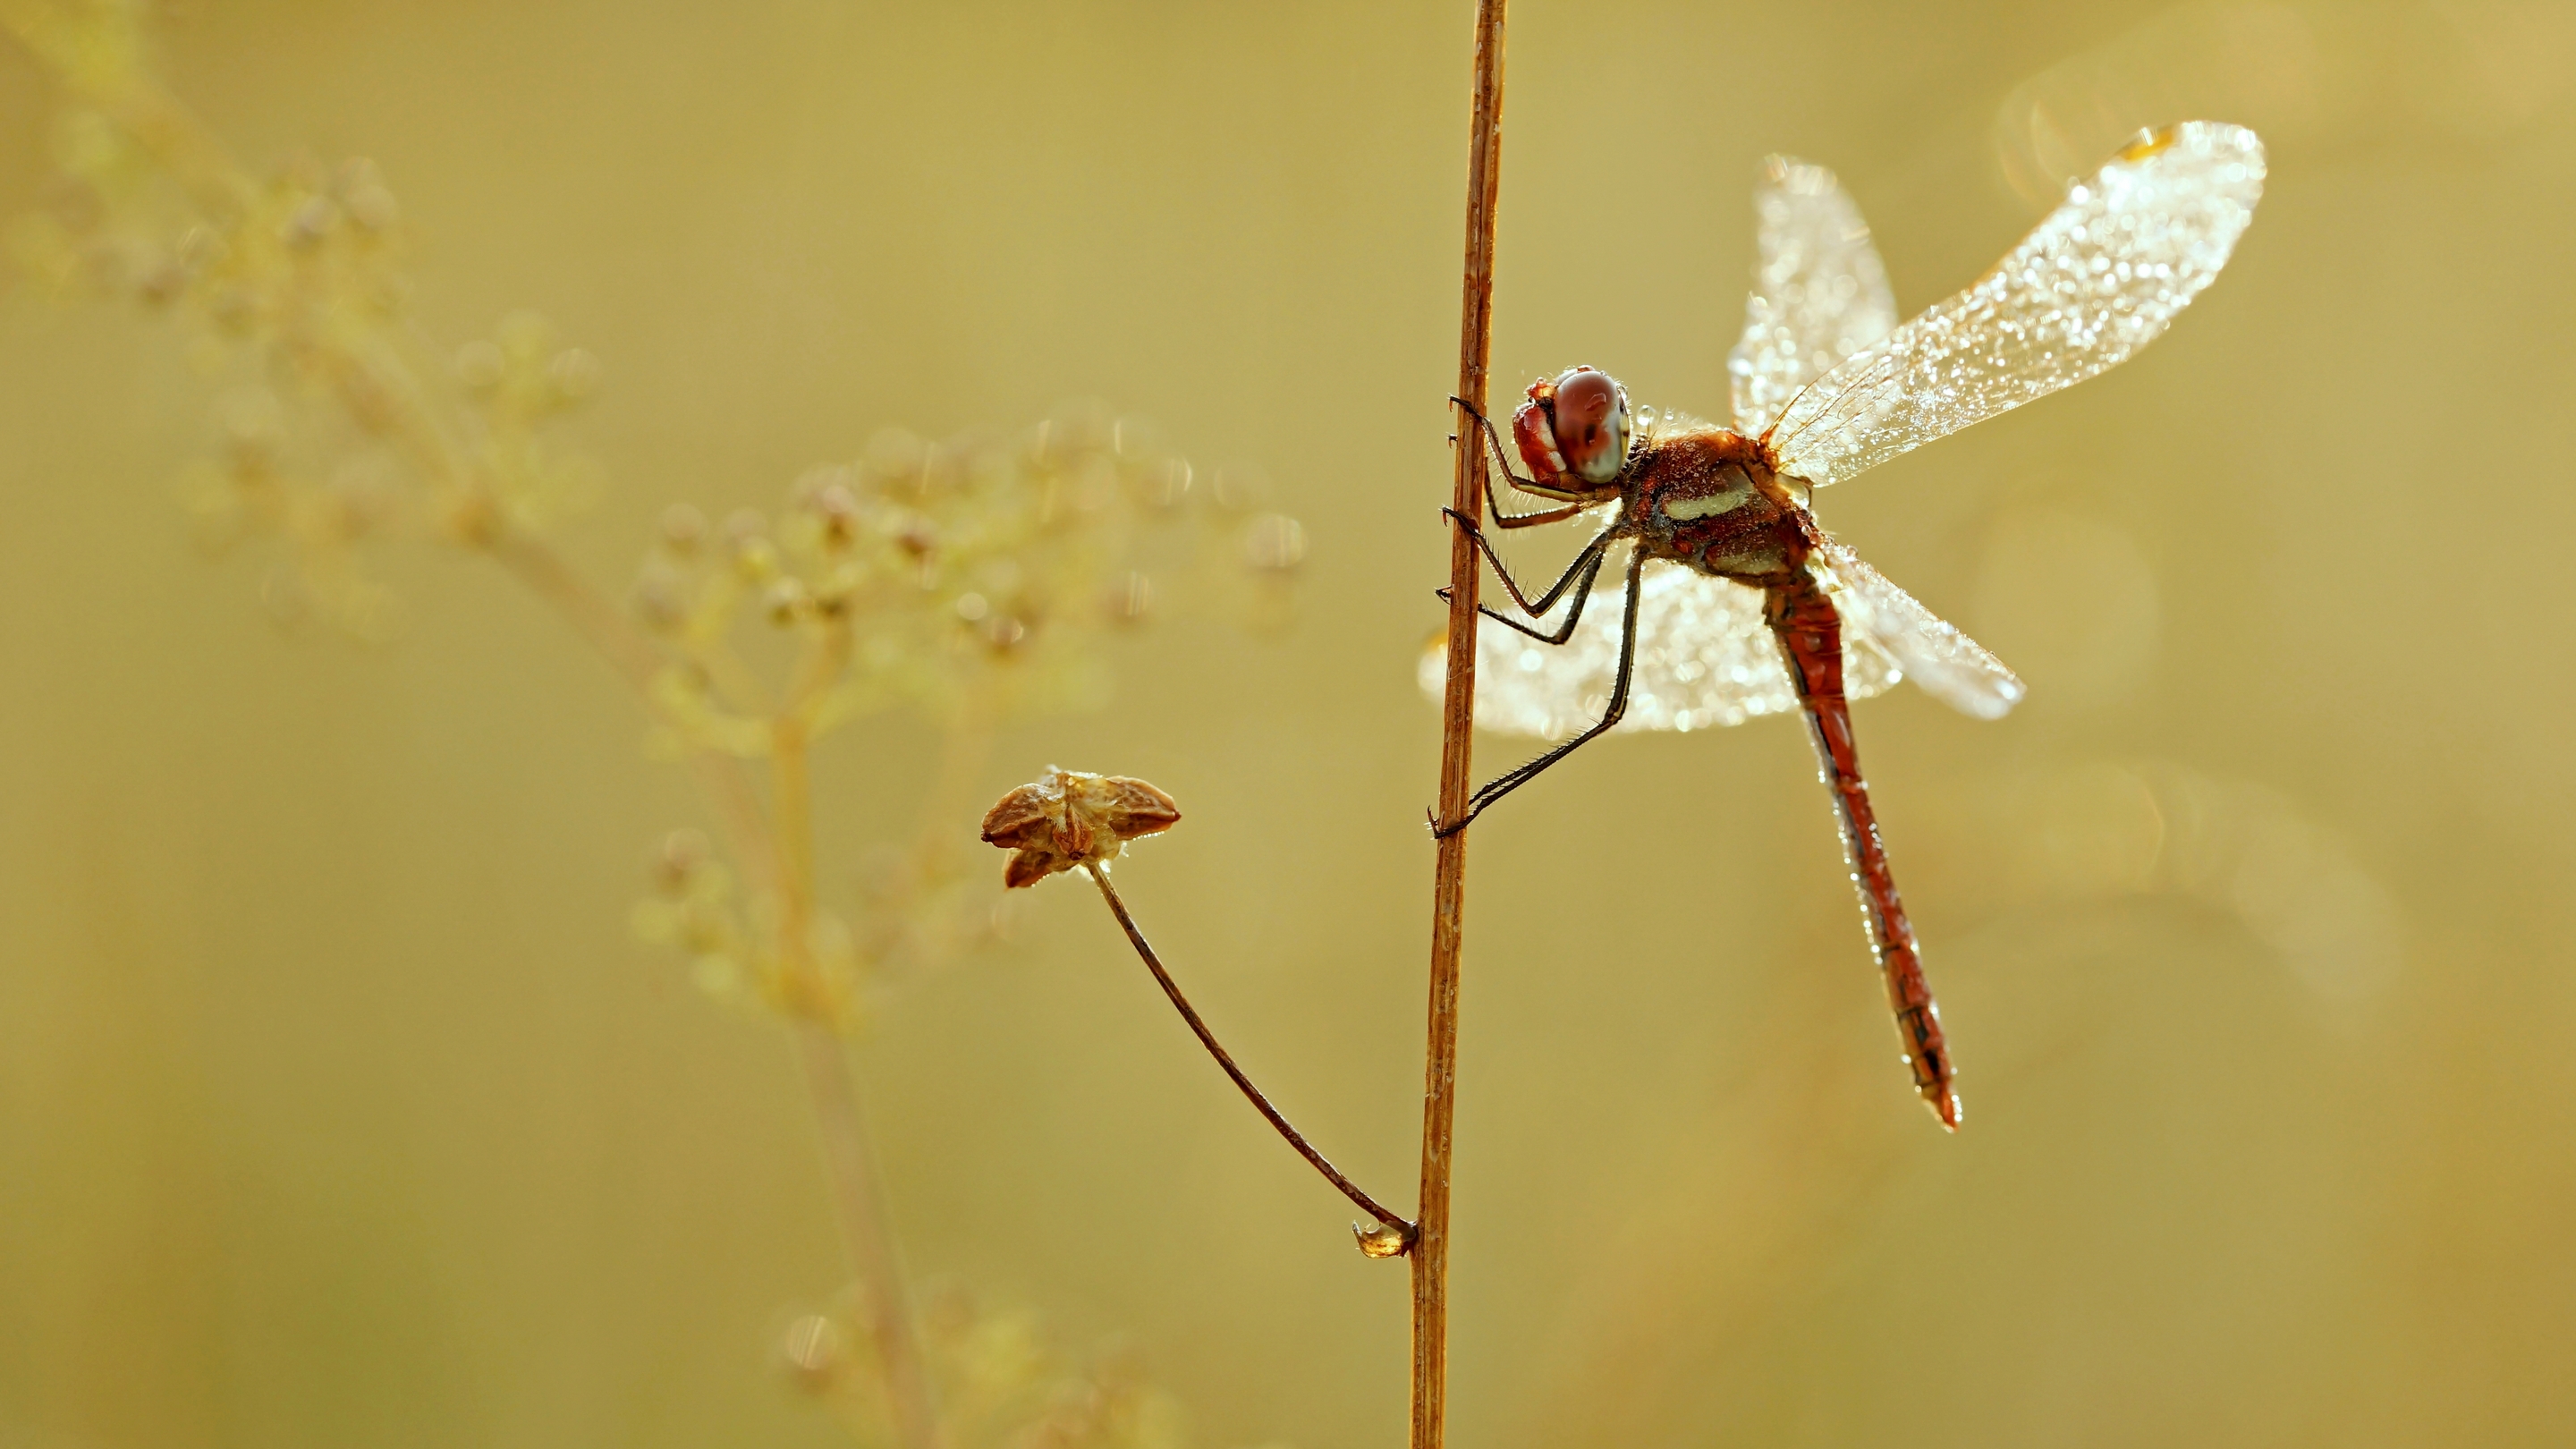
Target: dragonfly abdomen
(1810, 634)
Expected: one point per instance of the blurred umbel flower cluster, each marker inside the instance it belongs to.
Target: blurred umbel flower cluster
(969, 582)
(1003, 1385)
(972, 580)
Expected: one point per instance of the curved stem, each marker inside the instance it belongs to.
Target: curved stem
(1252, 1094)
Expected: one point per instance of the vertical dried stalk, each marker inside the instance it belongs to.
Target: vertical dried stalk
(1457, 723)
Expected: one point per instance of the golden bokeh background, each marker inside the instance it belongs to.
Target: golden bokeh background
(338, 1105)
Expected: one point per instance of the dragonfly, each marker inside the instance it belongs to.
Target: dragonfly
(1752, 608)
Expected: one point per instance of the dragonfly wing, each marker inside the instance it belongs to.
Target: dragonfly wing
(2099, 279)
(1704, 658)
(1950, 666)
(1819, 293)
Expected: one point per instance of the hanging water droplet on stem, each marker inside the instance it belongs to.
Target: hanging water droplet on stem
(1381, 1241)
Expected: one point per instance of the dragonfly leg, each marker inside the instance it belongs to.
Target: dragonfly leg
(1810, 634)
(1506, 783)
(1503, 465)
(1588, 559)
(1573, 612)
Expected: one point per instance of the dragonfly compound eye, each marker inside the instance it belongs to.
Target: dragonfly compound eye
(1591, 424)
(1534, 432)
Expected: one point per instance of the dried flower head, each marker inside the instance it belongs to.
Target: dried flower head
(1070, 819)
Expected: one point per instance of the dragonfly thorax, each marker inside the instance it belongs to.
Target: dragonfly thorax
(1575, 430)
(1709, 498)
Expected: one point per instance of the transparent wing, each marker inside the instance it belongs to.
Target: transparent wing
(1948, 665)
(2099, 279)
(1819, 294)
(1704, 658)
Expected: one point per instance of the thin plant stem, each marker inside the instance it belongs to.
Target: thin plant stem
(1430, 1254)
(97, 63)
(1207, 1038)
(779, 854)
(858, 1195)
(857, 1186)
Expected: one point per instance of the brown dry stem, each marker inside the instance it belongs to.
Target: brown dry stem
(1390, 1221)
(1430, 1253)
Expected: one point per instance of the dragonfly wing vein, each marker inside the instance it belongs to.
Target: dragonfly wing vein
(1945, 663)
(2096, 281)
(1819, 293)
(1704, 659)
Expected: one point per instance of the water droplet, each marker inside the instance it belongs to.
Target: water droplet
(1275, 543)
(1381, 1241)
(813, 1349)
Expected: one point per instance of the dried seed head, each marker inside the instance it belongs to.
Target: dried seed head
(683, 853)
(683, 529)
(785, 600)
(309, 222)
(1070, 819)
(834, 591)
(660, 600)
(916, 537)
(1005, 633)
(162, 280)
(754, 556)
(838, 508)
(1128, 598)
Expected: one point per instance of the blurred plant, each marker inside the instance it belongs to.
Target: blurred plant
(969, 581)
(1003, 1386)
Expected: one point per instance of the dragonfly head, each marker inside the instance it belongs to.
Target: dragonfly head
(1573, 432)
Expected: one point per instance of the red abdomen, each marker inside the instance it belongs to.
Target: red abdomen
(1810, 634)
